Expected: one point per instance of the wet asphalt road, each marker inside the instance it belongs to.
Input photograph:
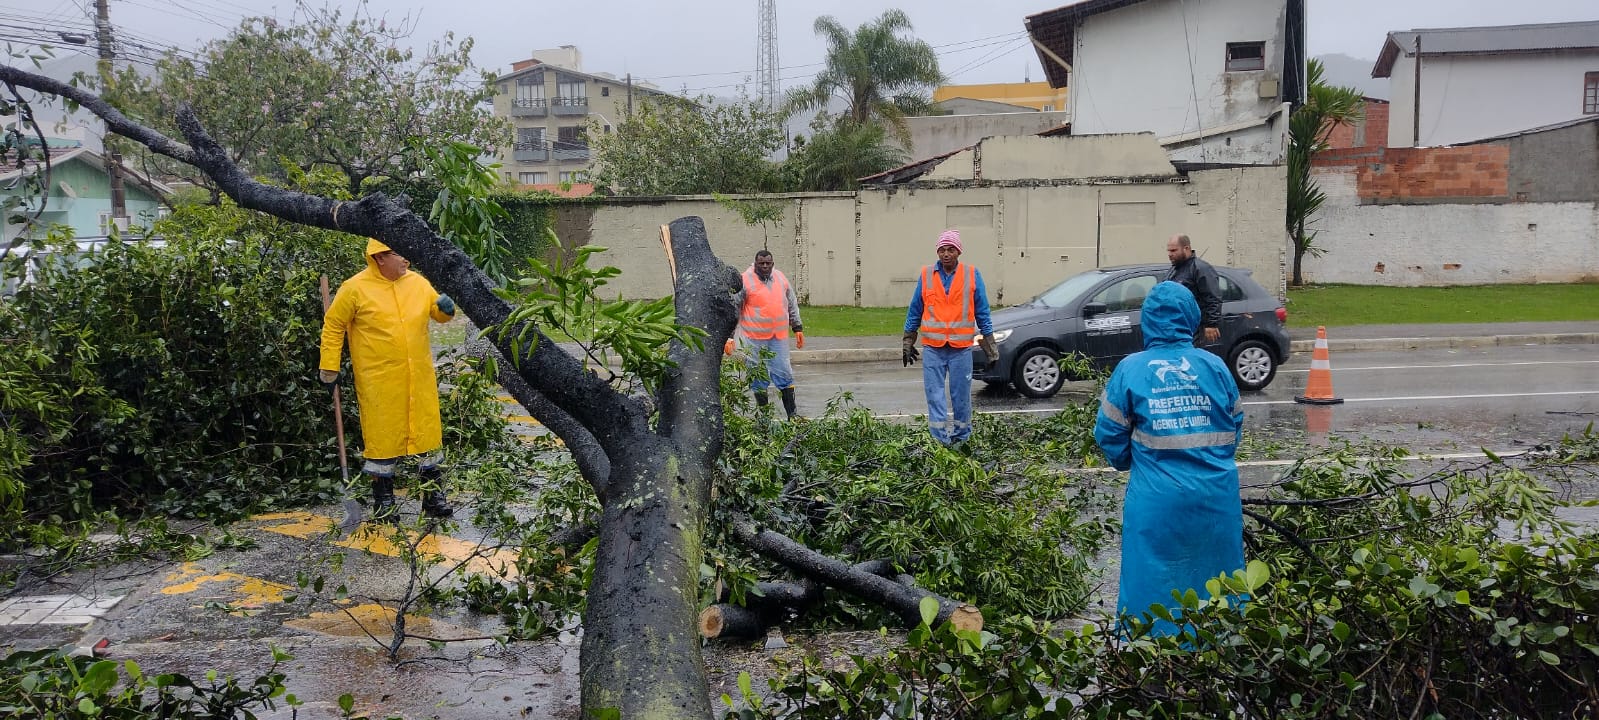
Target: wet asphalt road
(1501, 398)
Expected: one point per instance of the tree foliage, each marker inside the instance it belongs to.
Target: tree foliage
(878, 71)
(1326, 107)
(1372, 593)
(677, 147)
(840, 154)
(319, 91)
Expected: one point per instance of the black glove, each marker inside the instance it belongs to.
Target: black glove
(912, 353)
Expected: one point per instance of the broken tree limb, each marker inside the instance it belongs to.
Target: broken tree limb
(903, 601)
(769, 604)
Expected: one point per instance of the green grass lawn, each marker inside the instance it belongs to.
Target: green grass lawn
(1362, 305)
(1329, 305)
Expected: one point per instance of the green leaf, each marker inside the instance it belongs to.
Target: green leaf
(929, 608)
(1548, 657)
(1256, 574)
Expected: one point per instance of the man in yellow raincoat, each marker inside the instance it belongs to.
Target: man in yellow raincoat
(384, 311)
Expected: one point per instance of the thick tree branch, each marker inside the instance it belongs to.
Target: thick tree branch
(114, 119)
(703, 300)
(904, 601)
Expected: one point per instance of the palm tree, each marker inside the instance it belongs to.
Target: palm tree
(836, 157)
(878, 72)
(1326, 107)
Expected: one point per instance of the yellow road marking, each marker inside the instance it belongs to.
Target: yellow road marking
(380, 540)
(252, 591)
(377, 620)
(523, 419)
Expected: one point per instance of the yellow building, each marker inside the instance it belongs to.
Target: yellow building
(1036, 95)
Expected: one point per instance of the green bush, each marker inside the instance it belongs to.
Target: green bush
(1468, 600)
(181, 377)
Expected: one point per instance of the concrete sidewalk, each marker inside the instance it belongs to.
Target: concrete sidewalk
(1357, 338)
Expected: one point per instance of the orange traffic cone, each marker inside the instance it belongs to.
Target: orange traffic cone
(1318, 389)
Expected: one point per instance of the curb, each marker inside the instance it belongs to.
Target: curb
(861, 355)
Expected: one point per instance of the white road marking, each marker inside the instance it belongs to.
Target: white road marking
(1342, 368)
(1362, 458)
(1438, 397)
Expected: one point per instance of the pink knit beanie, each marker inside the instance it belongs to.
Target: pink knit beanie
(951, 238)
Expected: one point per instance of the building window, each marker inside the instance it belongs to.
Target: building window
(533, 178)
(570, 91)
(571, 137)
(1049, 108)
(1242, 56)
(530, 137)
(605, 91)
(1590, 94)
(529, 92)
(575, 176)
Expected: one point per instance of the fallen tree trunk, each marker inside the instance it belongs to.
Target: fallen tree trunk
(903, 600)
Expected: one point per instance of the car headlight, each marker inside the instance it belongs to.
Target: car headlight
(1001, 335)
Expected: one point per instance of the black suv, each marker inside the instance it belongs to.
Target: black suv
(1097, 314)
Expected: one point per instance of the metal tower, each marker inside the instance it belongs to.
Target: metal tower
(766, 53)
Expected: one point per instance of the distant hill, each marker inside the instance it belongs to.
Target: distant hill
(1353, 72)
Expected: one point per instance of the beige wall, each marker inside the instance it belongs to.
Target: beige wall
(1025, 233)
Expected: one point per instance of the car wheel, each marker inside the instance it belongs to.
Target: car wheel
(1252, 364)
(1037, 373)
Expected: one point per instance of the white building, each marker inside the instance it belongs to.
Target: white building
(1213, 80)
(1482, 82)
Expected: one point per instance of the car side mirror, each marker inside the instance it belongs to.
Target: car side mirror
(1095, 308)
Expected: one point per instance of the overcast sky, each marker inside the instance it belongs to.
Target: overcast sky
(710, 46)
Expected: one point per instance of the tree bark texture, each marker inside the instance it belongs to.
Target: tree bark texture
(640, 650)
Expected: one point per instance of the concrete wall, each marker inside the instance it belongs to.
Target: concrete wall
(1472, 97)
(938, 134)
(1160, 66)
(1024, 227)
(1557, 165)
(1450, 244)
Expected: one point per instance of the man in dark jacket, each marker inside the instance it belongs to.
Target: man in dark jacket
(1200, 279)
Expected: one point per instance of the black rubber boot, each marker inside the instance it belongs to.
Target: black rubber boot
(434, 504)
(788, 401)
(762, 399)
(384, 508)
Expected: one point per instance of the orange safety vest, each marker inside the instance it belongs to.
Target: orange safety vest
(948, 318)
(765, 312)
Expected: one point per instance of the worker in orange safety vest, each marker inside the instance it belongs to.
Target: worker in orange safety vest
(948, 310)
(768, 311)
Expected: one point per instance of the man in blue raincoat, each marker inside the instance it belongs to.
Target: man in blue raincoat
(1172, 415)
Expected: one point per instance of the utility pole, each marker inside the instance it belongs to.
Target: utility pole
(113, 159)
(1415, 114)
(630, 94)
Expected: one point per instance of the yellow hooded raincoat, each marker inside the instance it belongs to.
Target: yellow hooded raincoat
(387, 324)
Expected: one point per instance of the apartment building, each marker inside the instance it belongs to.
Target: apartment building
(553, 106)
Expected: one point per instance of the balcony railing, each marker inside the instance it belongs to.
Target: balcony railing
(529, 107)
(568, 151)
(530, 151)
(570, 105)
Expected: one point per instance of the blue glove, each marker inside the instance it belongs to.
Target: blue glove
(445, 305)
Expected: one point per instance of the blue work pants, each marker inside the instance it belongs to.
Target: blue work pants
(779, 371)
(948, 370)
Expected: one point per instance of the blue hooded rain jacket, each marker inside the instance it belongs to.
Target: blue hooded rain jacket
(1172, 415)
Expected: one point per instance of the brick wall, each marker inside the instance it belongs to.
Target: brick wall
(1371, 131)
(1428, 174)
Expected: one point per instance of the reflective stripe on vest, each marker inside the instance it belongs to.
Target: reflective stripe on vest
(947, 317)
(765, 312)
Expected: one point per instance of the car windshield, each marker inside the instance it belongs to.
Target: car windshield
(1067, 292)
